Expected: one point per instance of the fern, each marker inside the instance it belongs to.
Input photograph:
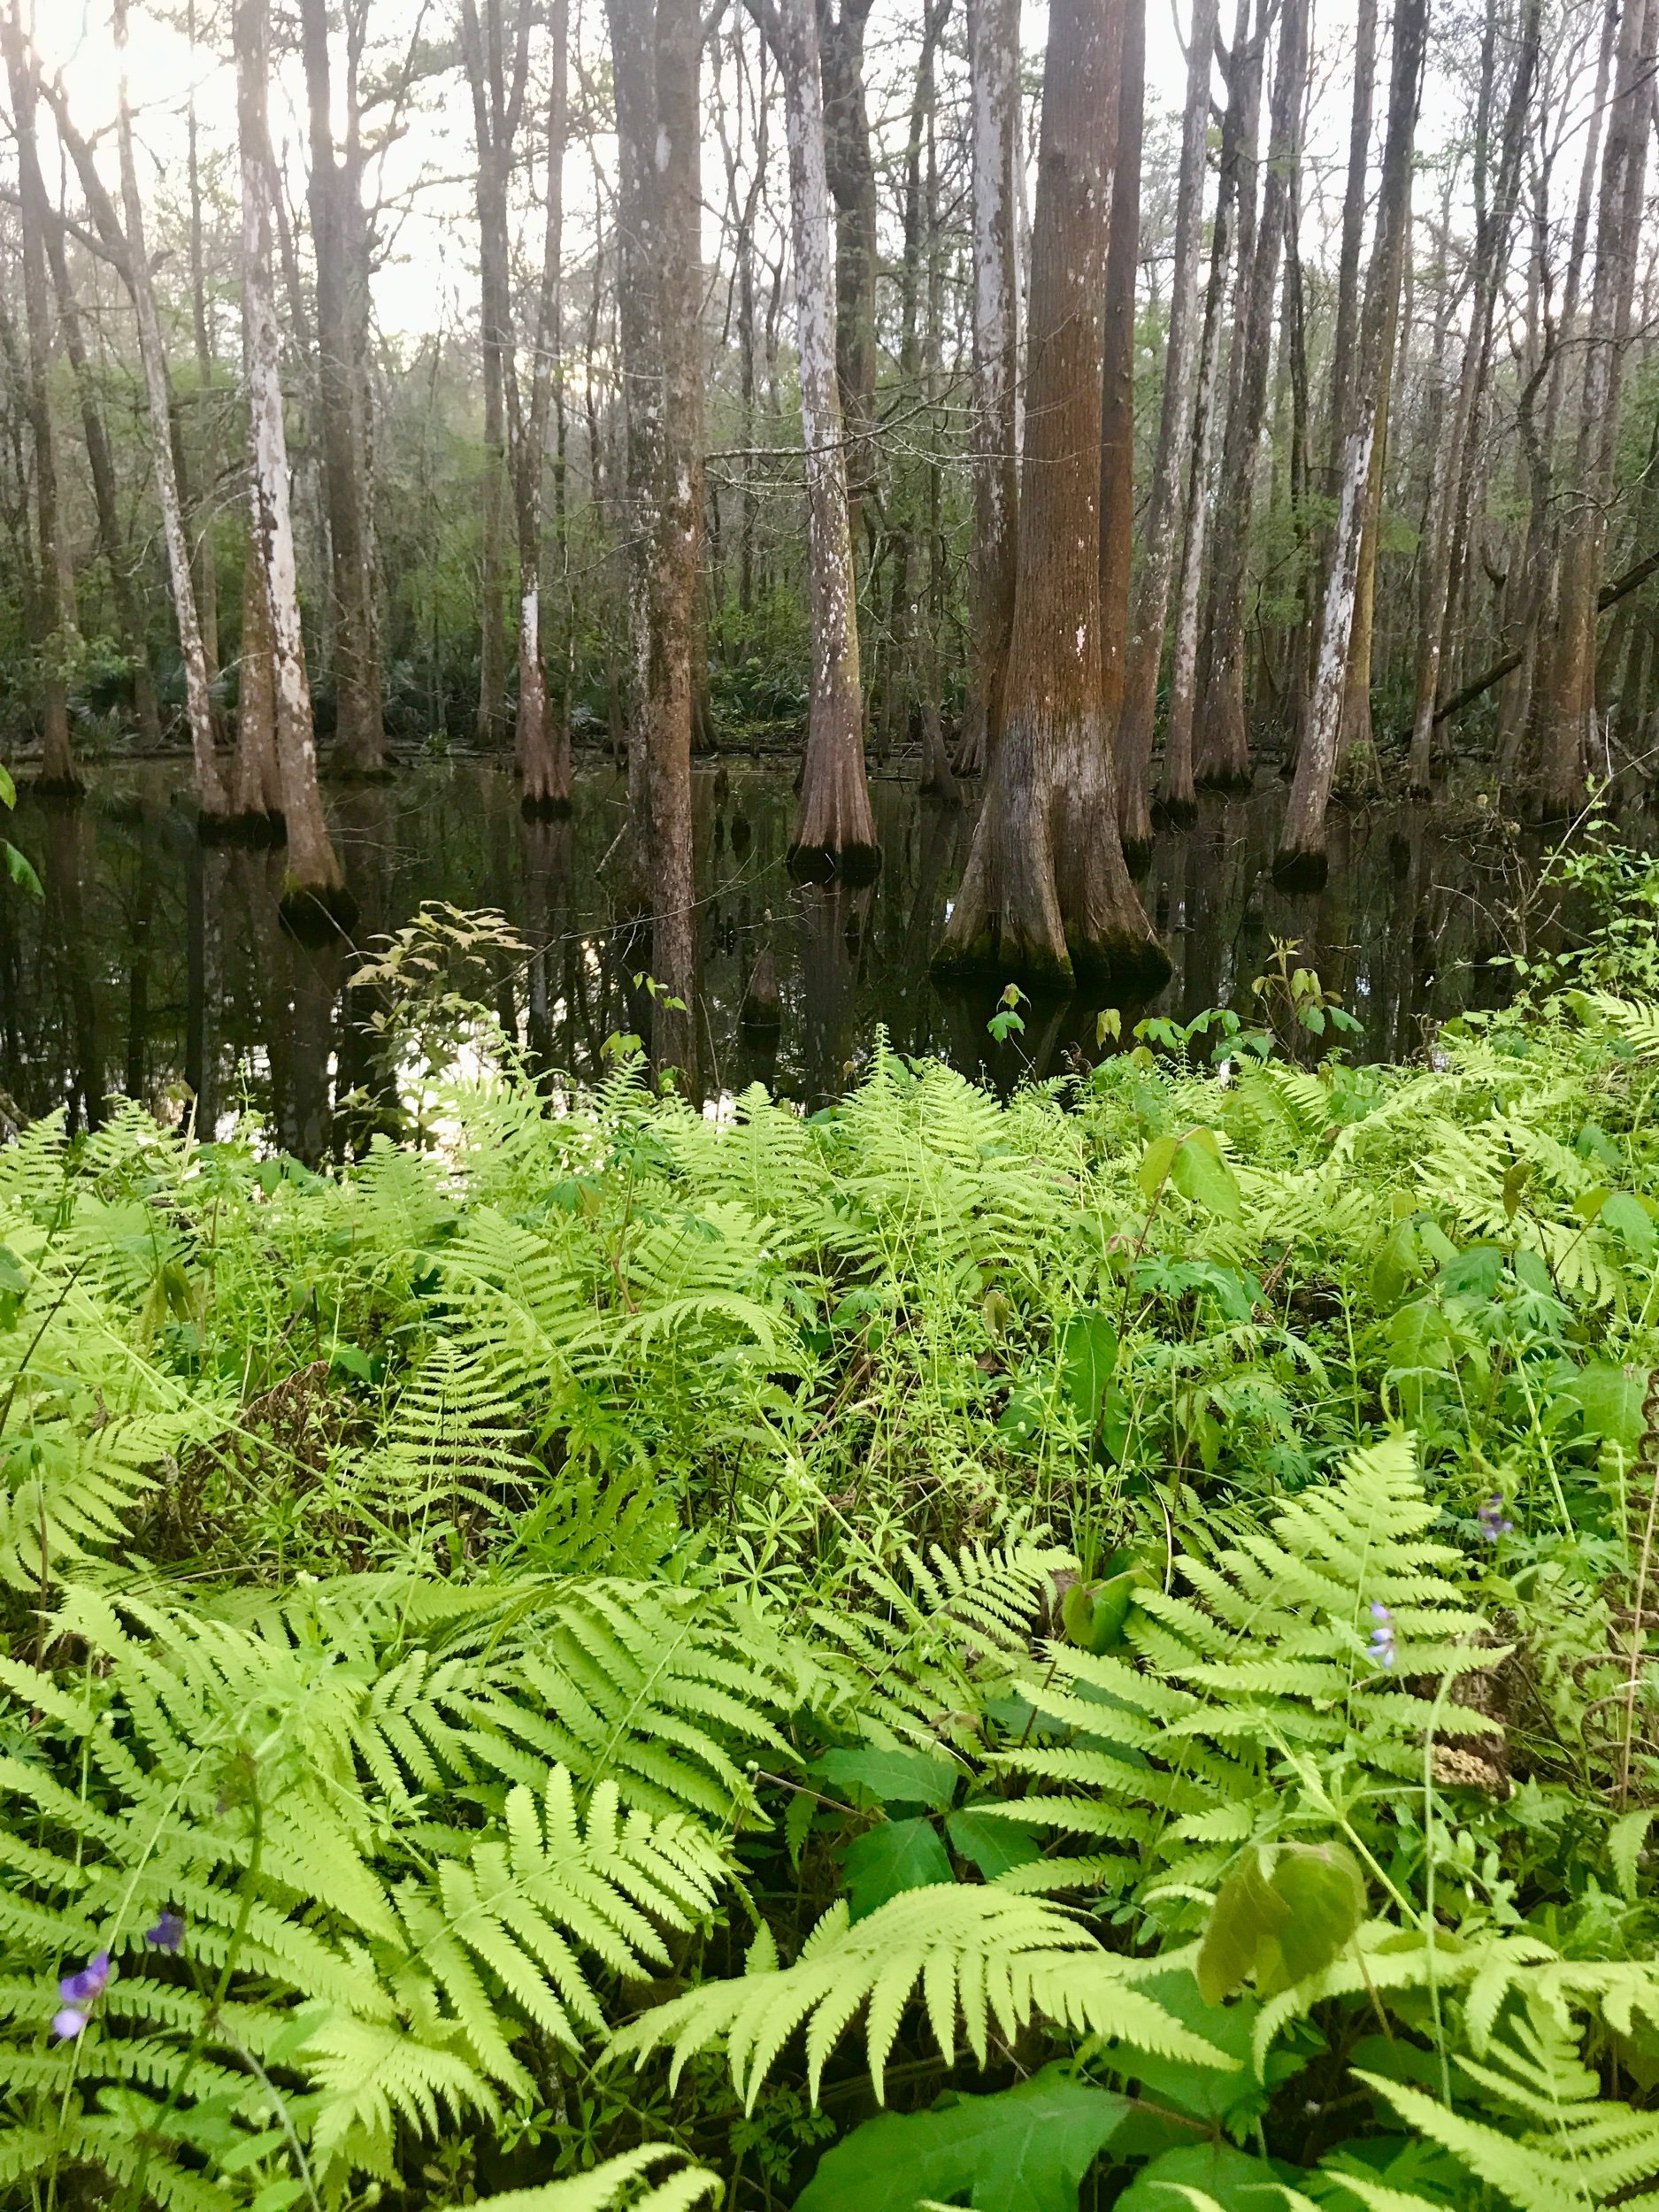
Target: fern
(611, 2185)
(1249, 1686)
(982, 1960)
(463, 1568)
(1572, 2145)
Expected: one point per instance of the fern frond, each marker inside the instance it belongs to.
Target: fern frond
(610, 2186)
(979, 1956)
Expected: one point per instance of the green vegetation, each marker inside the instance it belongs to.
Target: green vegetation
(951, 1651)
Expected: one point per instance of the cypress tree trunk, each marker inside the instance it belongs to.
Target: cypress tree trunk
(105, 497)
(1343, 364)
(1223, 751)
(210, 793)
(256, 777)
(907, 677)
(1453, 482)
(58, 773)
(206, 568)
(1302, 853)
(314, 894)
(1536, 597)
(993, 92)
(1163, 519)
(543, 745)
(1046, 899)
(1180, 792)
(850, 175)
(835, 827)
(656, 46)
(1565, 717)
(1118, 390)
(360, 734)
(498, 105)
(1345, 330)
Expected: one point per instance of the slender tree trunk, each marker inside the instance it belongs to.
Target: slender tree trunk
(544, 764)
(993, 94)
(359, 728)
(497, 106)
(1455, 469)
(1179, 793)
(1301, 854)
(1163, 519)
(106, 495)
(58, 773)
(314, 896)
(1358, 774)
(1345, 330)
(656, 45)
(256, 795)
(1117, 392)
(1299, 459)
(198, 696)
(1536, 598)
(939, 777)
(911, 676)
(1224, 754)
(835, 827)
(1046, 899)
(205, 562)
(748, 324)
(850, 175)
(1566, 718)
(1343, 364)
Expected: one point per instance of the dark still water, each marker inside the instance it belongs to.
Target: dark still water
(155, 966)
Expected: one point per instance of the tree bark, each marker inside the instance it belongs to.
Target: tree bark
(206, 569)
(656, 46)
(118, 553)
(256, 795)
(835, 827)
(1454, 472)
(1302, 852)
(333, 186)
(211, 797)
(910, 683)
(1180, 792)
(993, 94)
(544, 745)
(849, 170)
(1163, 519)
(1348, 297)
(1566, 719)
(58, 772)
(497, 108)
(314, 896)
(1046, 899)
(1343, 364)
(1223, 751)
(1118, 391)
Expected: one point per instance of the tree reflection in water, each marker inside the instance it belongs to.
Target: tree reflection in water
(158, 967)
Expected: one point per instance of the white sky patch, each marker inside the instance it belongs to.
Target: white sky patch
(422, 183)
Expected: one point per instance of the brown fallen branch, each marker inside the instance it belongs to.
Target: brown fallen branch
(1619, 588)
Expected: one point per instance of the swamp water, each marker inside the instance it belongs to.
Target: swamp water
(155, 966)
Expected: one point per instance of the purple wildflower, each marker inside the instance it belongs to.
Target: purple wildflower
(1490, 1517)
(1382, 1636)
(79, 1991)
(167, 1934)
(81, 1988)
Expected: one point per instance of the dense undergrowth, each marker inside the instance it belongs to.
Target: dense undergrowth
(953, 1651)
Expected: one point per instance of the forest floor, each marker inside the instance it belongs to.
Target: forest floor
(1090, 1649)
